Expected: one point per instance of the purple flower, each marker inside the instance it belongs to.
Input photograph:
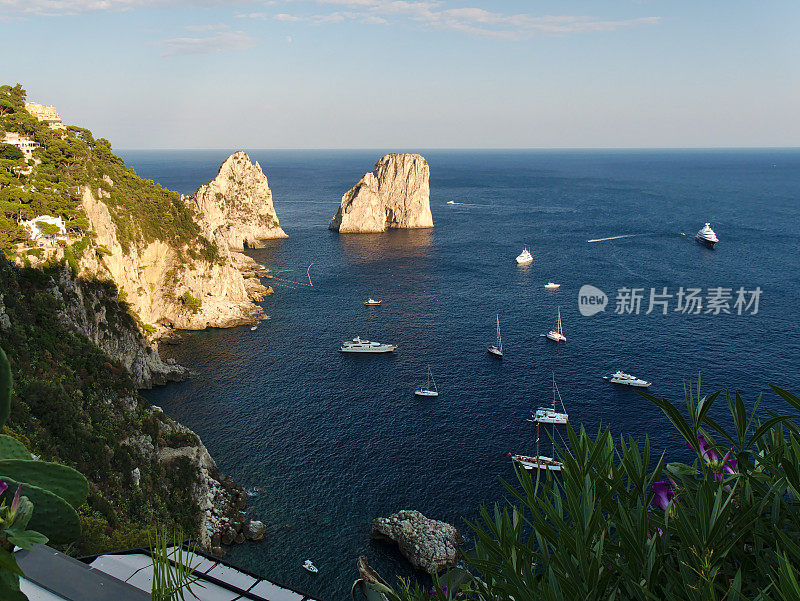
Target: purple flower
(706, 452)
(3, 487)
(663, 493)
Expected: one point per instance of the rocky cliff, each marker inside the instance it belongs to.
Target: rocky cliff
(395, 195)
(235, 208)
(90, 308)
(154, 278)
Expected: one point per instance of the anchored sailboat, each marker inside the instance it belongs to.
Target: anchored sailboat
(497, 348)
(427, 390)
(556, 333)
(545, 415)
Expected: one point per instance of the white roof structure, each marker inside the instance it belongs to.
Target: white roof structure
(127, 576)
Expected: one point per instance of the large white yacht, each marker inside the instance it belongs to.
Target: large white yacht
(525, 257)
(356, 345)
(627, 379)
(707, 236)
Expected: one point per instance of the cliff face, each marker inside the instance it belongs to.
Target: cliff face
(395, 195)
(74, 403)
(235, 208)
(154, 278)
(91, 309)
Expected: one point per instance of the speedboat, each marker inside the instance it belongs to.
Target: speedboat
(370, 302)
(552, 286)
(254, 328)
(451, 202)
(310, 566)
(627, 380)
(525, 257)
(356, 345)
(707, 236)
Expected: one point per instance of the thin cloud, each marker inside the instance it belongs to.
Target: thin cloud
(468, 20)
(220, 42)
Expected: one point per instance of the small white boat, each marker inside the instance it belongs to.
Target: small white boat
(525, 257)
(707, 236)
(254, 328)
(556, 334)
(371, 302)
(497, 348)
(451, 202)
(552, 286)
(627, 380)
(356, 345)
(310, 566)
(538, 463)
(426, 390)
(545, 415)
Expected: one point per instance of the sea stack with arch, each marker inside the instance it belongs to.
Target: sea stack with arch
(235, 208)
(395, 195)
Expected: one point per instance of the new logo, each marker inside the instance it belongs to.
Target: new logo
(591, 300)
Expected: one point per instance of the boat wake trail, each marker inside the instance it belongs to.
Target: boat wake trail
(615, 237)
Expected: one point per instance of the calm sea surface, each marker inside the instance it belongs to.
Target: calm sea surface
(329, 441)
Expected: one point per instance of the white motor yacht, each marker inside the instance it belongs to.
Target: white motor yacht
(707, 236)
(525, 257)
(552, 286)
(356, 345)
(371, 302)
(627, 380)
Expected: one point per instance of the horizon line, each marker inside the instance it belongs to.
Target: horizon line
(482, 148)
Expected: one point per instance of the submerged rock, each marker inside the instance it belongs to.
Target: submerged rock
(395, 195)
(428, 544)
(236, 207)
(254, 530)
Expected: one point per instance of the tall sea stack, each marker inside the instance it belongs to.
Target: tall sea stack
(395, 195)
(236, 206)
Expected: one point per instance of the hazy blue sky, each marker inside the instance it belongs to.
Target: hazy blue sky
(412, 73)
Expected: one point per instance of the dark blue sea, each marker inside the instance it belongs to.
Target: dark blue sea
(328, 441)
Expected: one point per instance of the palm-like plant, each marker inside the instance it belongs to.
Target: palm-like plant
(623, 523)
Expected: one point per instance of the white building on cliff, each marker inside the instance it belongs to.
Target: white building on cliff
(37, 225)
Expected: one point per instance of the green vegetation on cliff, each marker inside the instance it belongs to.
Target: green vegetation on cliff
(75, 405)
(66, 162)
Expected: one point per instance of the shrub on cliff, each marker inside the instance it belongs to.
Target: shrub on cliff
(142, 210)
(77, 406)
(620, 523)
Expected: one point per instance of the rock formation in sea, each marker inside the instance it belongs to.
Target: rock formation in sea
(235, 208)
(428, 544)
(395, 195)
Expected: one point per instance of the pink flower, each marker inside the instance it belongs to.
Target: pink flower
(3, 487)
(706, 452)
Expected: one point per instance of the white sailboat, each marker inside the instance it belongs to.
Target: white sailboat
(497, 348)
(427, 390)
(556, 334)
(545, 415)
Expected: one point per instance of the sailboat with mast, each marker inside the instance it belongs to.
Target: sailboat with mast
(427, 390)
(497, 348)
(545, 415)
(556, 334)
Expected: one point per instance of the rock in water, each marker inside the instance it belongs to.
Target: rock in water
(236, 206)
(428, 544)
(395, 195)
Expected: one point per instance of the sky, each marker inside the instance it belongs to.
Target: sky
(412, 74)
